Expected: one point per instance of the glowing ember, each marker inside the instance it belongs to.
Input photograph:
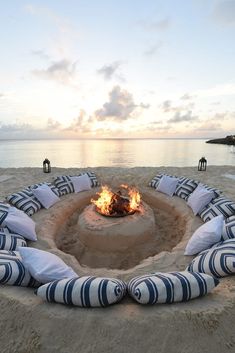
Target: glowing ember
(115, 204)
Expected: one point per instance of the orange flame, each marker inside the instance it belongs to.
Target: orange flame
(106, 197)
(104, 200)
(134, 199)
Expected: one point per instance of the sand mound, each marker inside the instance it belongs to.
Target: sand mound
(121, 243)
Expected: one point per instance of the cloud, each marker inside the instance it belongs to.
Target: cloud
(1, 95)
(166, 106)
(120, 106)
(156, 25)
(154, 49)
(41, 54)
(62, 71)
(53, 129)
(82, 123)
(62, 23)
(108, 71)
(186, 96)
(53, 124)
(18, 131)
(224, 12)
(61, 33)
(224, 116)
(78, 122)
(14, 127)
(220, 116)
(209, 126)
(181, 117)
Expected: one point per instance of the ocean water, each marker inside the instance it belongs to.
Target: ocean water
(113, 153)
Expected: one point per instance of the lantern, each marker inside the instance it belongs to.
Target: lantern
(202, 164)
(46, 166)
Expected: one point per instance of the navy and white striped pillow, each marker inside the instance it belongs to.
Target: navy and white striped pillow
(218, 261)
(228, 228)
(155, 181)
(10, 241)
(170, 287)
(51, 186)
(216, 207)
(25, 201)
(65, 185)
(185, 187)
(93, 179)
(10, 253)
(222, 244)
(83, 291)
(13, 272)
(3, 211)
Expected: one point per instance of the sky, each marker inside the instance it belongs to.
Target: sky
(117, 69)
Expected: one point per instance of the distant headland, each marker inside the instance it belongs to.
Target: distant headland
(228, 140)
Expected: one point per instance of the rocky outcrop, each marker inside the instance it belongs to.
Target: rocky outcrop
(228, 140)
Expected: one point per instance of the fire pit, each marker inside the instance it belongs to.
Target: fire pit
(115, 204)
(114, 242)
(121, 243)
(110, 239)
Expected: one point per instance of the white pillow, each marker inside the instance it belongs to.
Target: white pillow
(45, 196)
(205, 236)
(19, 222)
(44, 266)
(200, 198)
(167, 185)
(81, 183)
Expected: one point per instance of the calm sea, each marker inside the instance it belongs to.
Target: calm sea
(113, 152)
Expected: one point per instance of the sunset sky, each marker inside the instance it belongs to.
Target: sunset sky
(126, 68)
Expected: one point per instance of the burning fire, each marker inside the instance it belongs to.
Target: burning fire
(114, 204)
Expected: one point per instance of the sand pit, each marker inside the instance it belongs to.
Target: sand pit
(30, 325)
(121, 243)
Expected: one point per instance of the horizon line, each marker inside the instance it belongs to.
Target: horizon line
(106, 138)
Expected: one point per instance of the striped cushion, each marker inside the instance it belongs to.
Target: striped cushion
(186, 187)
(51, 186)
(25, 201)
(65, 185)
(155, 181)
(9, 253)
(3, 211)
(228, 228)
(84, 291)
(216, 207)
(218, 261)
(170, 287)
(222, 244)
(13, 272)
(10, 241)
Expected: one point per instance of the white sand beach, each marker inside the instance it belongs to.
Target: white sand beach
(29, 325)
